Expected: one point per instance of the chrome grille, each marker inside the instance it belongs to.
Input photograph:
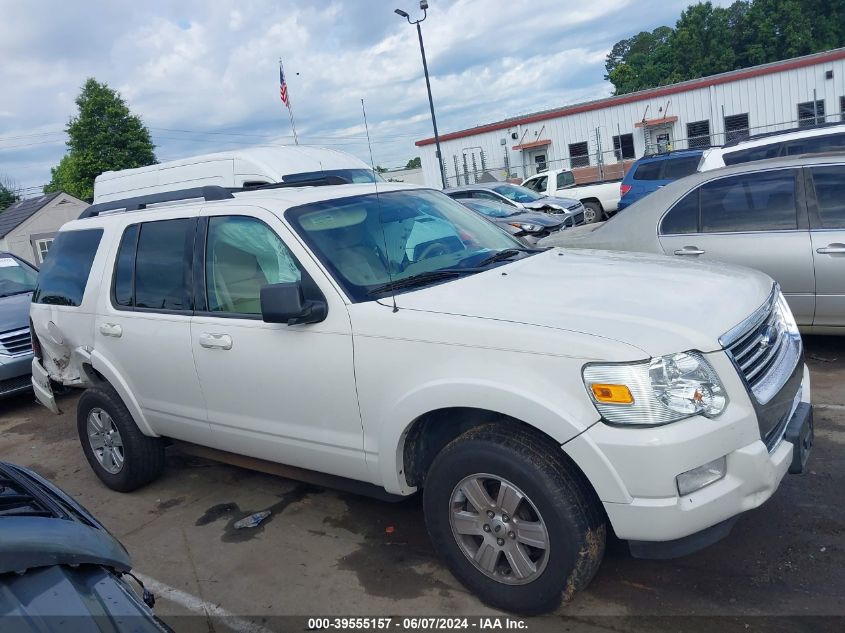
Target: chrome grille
(764, 351)
(16, 342)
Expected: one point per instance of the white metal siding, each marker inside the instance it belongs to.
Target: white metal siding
(770, 101)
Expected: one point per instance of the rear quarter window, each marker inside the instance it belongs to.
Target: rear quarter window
(648, 171)
(676, 168)
(64, 275)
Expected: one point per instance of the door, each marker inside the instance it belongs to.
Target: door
(756, 220)
(277, 392)
(827, 222)
(144, 328)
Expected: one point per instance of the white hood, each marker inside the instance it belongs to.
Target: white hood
(655, 303)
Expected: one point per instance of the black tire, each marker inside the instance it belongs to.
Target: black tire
(574, 519)
(592, 213)
(143, 456)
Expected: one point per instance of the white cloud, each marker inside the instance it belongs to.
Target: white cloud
(212, 67)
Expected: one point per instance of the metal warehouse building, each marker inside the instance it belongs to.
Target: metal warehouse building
(598, 139)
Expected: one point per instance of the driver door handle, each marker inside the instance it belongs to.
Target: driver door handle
(689, 250)
(215, 341)
(111, 329)
(832, 249)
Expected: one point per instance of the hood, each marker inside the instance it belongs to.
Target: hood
(655, 303)
(552, 201)
(14, 312)
(533, 217)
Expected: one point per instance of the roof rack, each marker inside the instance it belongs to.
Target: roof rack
(142, 202)
(809, 128)
(208, 193)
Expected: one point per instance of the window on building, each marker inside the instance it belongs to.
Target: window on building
(842, 108)
(736, 127)
(42, 247)
(623, 146)
(763, 201)
(579, 154)
(698, 134)
(811, 113)
(64, 276)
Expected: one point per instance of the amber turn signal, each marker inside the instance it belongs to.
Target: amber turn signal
(612, 394)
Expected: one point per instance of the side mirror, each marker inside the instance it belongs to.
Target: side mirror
(285, 303)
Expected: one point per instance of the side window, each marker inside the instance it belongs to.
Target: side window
(763, 152)
(676, 168)
(829, 183)
(648, 171)
(484, 195)
(564, 179)
(749, 202)
(539, 185)
(683, 217)
(242, 255)
(815, 144)
(124, 268)
(457, 195)
(64, 275)
(162, 265)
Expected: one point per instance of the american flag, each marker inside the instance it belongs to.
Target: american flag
(283, 88)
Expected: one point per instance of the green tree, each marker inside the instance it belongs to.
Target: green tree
(103, 136)
(707, 40)
(9, 192)
(414, 163)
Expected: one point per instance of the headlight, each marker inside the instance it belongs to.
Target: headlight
(528, 228)
(660, 391)
(786, 315)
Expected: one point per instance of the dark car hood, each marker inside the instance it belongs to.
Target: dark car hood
(14, 312)
(41, 526)
(533, 217)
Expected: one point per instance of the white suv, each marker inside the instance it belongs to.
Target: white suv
(391, 337)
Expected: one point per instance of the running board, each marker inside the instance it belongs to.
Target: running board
(290, 472)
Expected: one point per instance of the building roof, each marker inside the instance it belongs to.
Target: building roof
(21, 211)
(692, 84)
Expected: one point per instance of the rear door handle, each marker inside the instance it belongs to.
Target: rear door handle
(832, 249)
(689, 250)
(111, 329)
(215, 341)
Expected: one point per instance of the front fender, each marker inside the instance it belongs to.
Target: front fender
(562, 417)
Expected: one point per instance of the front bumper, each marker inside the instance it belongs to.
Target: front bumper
(14, 374)
(640, 494)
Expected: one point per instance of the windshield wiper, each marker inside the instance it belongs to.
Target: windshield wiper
(16, 292)
(502, 256)
(422, 279)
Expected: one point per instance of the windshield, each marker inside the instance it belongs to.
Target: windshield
(368, 241)
(489, 208)
(15, 277)
(517, 193)
(351, 175)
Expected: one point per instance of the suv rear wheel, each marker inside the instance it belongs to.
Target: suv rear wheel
(513, 520)
(121, 456)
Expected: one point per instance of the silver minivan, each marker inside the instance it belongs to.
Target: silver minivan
(785, 217)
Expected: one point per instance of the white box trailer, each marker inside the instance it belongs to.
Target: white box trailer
(240, 168)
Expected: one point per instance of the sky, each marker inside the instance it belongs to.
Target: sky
(203, 74)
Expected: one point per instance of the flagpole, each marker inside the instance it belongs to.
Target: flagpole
(289, 104)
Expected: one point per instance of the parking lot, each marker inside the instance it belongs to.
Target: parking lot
(323, 552)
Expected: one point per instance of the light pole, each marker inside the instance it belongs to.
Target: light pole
(424, 8)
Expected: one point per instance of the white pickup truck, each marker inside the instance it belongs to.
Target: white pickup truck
(386, 336)
(600, 199)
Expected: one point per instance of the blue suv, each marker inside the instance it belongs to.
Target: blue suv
(652, 172)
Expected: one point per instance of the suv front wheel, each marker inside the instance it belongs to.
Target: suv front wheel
(512, 518)
(121, 456)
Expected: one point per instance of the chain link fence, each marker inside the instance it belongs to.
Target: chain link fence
(589, 164)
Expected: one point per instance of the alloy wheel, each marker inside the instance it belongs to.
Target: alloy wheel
(105, 440)
(499, 529)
